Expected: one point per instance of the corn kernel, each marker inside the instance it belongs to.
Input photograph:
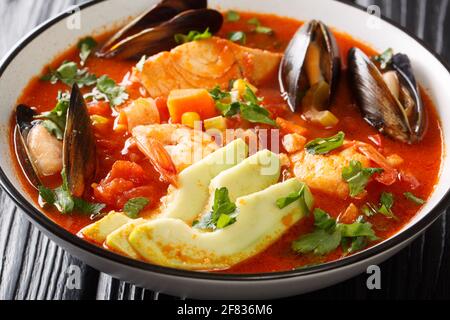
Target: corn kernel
(241, 85)
(395, 160)
(96, 120)
(190, 118)
(219, 123)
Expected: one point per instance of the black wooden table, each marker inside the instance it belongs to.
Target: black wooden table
(33, 267)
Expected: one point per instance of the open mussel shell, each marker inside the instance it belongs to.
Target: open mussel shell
(379, 107)
(24, 119)
(293, 76)
(79, 148)
(162, 37)
(156, 15)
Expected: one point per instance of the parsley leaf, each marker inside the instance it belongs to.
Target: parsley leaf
(55, 120)
(233, 16)
(325, 145)
(217, 94)
(116, 94)
(134, 206)
(328, 235)
(358, 177)
(256, 114)
(85, 46)
(68, 73)
(386, 203)
(258, 27)
(385, 59)
(192, 36)
(63, 200)
(223, 212)
(411, 197)
(238, 36)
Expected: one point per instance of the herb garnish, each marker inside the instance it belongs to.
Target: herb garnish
(358, 177)
(328, 235)
(192, 36)
(258, 27)
(249, 108)
(223, 212)
(325, 145)
(385, 59)
(63, 200)
(85, 46)
(55, 121)
(238, 36)
(134, 206)
(233, 16)
(386, 203)
(411, 197)
(68, 73)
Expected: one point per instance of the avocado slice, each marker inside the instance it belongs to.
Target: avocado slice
(173, 243)
(99, 230)
(186, 201)
(117, 240)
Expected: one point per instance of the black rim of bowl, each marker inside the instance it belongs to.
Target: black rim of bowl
(53, 228)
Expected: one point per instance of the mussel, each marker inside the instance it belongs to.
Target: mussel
(159, 13)
(160, 37)
(310, 68)
(389, 98)
(77, 150)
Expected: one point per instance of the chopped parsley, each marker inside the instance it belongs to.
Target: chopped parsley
(134, 206)
(258, 28)
(55, 121)
(86, 46)
(385, 59)
(328, 235)
(192, 36)
(69, 74)
(223, 212)
(238, 37)
(386, 204)
(358, 177)
(411, 197)
(64, 202)
(233, 16)
(116, 94)
(325, 145)
(303, 197)
(249, 108)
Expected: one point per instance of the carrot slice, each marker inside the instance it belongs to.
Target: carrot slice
(190, 100)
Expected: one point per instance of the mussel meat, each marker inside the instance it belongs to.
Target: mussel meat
(310, 68)
(41, 154)
(388, 98)
(159, 13)
(161, 37)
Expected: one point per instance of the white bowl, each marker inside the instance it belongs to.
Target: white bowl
(45, 42)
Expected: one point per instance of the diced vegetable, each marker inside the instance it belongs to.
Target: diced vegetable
(324, 118)
(190, 100)
(241, 85)
(190, 118)
(238, 36)
(233, 16)
(98, 120)
(219, 123)
(349, 215)
(395, 160)
(290, 127)
(192, 36)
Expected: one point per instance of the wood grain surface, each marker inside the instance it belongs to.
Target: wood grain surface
(33, 267)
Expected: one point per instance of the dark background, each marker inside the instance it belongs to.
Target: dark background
(32, 267)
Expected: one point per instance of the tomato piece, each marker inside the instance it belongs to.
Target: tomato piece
(161, 104)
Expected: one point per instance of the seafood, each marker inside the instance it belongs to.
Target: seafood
(205, 64)
(310, 68)
(159, 13)
(172, 148)
(162, 37)
(42, 154)
(389, 101)
(324, 173)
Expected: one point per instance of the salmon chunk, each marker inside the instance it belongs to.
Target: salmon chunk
(205, 64)
(324, 172)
